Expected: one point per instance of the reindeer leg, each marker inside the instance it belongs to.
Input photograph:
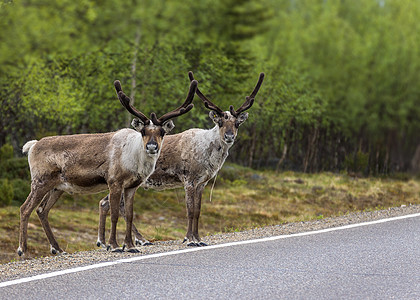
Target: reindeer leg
(38, 191)
(189, 201)
(114, 200)
(197, 209)
(103, 211)
(43, 210)
(128, 203)
(139, 240)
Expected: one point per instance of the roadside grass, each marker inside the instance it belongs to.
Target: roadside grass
(242, 199)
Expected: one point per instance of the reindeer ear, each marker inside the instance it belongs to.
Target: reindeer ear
(168, 126)
(242, 118)
(137, 124)
(214, 116)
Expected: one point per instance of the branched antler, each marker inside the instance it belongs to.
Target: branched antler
(246, 105)
(184, 108)
(207, 102)
(125, 101)
(249, 99)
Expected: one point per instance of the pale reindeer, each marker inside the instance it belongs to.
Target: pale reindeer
(190, 159)
(89, 163)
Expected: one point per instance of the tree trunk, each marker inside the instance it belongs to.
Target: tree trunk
(283, 157)
(287, 138)
(252, 148)
(310, 151)
(415, 161)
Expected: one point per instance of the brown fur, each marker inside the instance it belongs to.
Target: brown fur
(190, 159)
(86, 163)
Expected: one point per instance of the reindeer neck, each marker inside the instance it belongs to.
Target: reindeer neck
(216, 150)
(134, 156)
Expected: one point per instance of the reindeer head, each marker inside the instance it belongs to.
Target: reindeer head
(154, 129)
(229, 121)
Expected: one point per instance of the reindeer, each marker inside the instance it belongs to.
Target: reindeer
(190, 159)
(89, 163)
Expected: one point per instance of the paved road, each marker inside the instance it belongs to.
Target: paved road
(379, 261)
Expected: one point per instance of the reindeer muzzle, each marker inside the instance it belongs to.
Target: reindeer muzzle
(229, 138)
(152, 148)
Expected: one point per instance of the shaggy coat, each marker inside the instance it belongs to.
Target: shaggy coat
(190, 159)
(89, 163)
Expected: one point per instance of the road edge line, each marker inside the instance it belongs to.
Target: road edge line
(170, 253)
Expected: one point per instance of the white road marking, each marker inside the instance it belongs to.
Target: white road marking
(137, 258)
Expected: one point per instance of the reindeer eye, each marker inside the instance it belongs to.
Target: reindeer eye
(143, 132)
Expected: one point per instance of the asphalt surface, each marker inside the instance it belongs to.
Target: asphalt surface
(379, 261)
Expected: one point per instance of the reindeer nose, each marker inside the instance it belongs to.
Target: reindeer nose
(151, 147)
(229, 137)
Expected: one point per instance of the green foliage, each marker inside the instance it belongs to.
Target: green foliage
(6, 192)
(21, 190)
(15, 168)
(6, 152)
(11, 168)
(341, 76)
(357, 163)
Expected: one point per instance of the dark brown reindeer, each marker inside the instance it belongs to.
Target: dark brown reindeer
(190, 159)
(89, 163)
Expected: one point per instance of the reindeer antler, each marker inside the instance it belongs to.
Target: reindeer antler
(249, 99)
(207, 102)
(125, 101)
(184, 108)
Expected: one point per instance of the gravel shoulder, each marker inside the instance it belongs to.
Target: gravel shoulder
(30, 267)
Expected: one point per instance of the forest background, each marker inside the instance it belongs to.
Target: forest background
(341, 89)
(342, 77)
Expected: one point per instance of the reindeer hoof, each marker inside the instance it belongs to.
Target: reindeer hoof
(190, 243)
(20, 252)
(141, 243)
(202, 244)
(133, 250)
(117, 250)
(55, 251)
(110, 248)
(100, 244)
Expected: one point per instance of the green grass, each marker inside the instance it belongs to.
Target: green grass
(242, 198)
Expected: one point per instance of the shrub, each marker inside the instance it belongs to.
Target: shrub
(6, 152)
(15, 168)
(21, 190)
(358, 162)
(6, 192)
